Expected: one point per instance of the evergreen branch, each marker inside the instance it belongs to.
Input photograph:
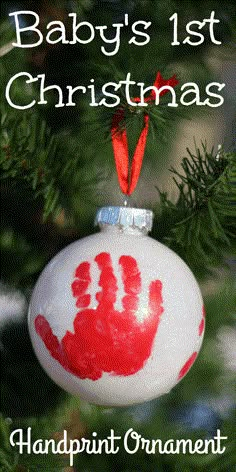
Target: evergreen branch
(202, 222)
(8, 458)
(31, 153)
(28, 149)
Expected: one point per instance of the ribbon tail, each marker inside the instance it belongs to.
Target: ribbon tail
(138, 156)
(120, 149)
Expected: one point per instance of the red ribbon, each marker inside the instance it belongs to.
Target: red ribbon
(120, 142)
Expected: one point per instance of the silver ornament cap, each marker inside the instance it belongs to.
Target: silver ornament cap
(125, 217)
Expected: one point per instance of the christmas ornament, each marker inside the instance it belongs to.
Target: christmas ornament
(117, 317)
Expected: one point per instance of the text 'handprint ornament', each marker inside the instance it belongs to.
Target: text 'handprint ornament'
(117, 317)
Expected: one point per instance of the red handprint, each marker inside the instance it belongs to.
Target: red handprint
(188, 364)
(104, 339)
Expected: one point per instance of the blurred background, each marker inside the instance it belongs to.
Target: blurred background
(57, 167)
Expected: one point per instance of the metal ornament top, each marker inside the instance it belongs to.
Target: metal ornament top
(125, 217)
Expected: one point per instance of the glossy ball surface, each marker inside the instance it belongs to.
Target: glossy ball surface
(116, 318)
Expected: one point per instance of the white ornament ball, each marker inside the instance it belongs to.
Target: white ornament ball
(117, 317)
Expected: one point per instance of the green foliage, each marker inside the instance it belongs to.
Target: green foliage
(55, 167)
(201, 224)
(8, 458)
(26, 148)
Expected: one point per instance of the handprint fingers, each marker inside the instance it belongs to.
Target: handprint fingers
(81, 284)
(132, 282)
(107, 281)
(155, 298)
(105, 339)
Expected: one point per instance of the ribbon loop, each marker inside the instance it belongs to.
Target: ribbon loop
(119, 138)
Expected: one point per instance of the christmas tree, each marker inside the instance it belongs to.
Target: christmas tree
(57, 168)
